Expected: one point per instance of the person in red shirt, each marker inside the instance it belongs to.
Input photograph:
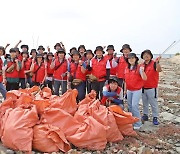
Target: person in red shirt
(77, 75)
(112, 93)
(100, 69)
(122, 63)
(149, 95)
(89, 55)
(134, 81)
(82, 51)
(49, 78)
(25, 65)
(2, 74)
(60, 66)
(39, 70)
(112, 59)
(41, 50)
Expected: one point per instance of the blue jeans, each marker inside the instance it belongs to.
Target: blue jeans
(81, 90)
(133, 98)
(3, 90)
(29, 80)
(57, 85)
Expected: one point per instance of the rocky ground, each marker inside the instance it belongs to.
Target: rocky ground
(162, 139)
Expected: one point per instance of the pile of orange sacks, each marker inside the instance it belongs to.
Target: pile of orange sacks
(36, 119)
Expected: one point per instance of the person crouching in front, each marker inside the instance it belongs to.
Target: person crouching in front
(39, 70)
(112, 93)
(134, 80)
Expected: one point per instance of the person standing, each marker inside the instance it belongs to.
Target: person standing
(100, 71)
(49, 78)
(112, 59)
(2, 75)
(149, 93)
(77, 75)
(82, 51)
(12, 67)
(39, 70)
(122, 63)
(134, 81)
(60, 66)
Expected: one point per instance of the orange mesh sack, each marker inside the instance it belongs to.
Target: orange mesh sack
(48, 138)
(17, 128)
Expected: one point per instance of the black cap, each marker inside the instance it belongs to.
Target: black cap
(41, 47)
(110, 47)
(88, 51)
(147, 51)
(39, 55)
(33, 50)
(99, 48)
(57, 44)
(112, 79)
(12, 50)
(126, 46)
(76, 53)
(50, 54)
(81, 46)
(25, 46)
(61, 50)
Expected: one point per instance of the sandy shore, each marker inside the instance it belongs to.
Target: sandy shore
(161, 139)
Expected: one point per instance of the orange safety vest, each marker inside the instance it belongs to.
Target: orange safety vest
(121, 67)
(14, 73)
(75, 70)
(152, 76)
(38, 72)
(99, 68)
(59, 69)
(133, 79)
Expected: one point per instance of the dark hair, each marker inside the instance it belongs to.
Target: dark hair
(3, 49)
(136, 63)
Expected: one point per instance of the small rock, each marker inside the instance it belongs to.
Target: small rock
(177, 119)
(146, 150)
(177, 144)
(9, 151)
(167, 116)
(178, 149)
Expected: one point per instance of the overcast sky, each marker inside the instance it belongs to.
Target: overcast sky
(144, 24)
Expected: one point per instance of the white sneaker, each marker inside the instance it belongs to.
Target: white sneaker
(136, 128)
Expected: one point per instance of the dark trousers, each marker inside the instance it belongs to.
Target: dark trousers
(98, 87)
(22, 83)
(88, 86)
(57, 85)
(29, 80)
(49, 84)
(35, 83)
(81, 88)
(12, 86)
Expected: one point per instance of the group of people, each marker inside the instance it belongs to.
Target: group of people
(113, 78)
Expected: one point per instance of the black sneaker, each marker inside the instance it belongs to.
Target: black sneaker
(144, 117)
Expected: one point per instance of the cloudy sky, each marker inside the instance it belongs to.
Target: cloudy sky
(144, 24)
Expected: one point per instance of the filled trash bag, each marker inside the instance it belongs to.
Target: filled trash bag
(48, 138)
(124, 120)
(61, 119)
(24, 100)
(113, 134)
(46, 93)
(89, 98)
(122, 117)
(17, 132)
(94, 109)
(67, 101)
(41, 105)
(127, 130)
(91, 135)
